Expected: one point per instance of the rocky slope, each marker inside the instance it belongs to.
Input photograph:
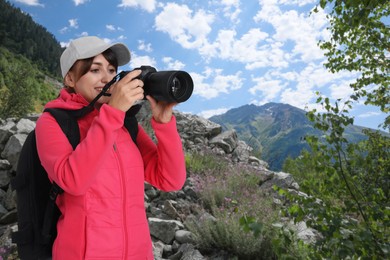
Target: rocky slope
(166, 212)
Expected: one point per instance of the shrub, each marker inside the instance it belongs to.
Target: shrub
(228, 192)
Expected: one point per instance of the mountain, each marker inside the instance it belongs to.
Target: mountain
(21, 35)
(275, 131)
(29, 63)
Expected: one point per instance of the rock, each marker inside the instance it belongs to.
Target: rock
(6, 132)
(24, 126)
(226, 140)
(4, 179)
(164, 230)
(12, 149)
(170, 210)
(184, 236)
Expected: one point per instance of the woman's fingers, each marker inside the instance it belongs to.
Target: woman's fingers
(127, 91)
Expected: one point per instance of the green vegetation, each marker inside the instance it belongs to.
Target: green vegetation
(29, 55)
(23, 88)
(348, 188)
(21, 35)
(231, 194)
(228, 192)
(360, 42)
(347, 184)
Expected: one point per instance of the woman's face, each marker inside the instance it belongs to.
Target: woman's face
(91, 83)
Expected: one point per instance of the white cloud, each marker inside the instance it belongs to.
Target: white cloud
(314, 75)
(297, 97)
(64, 44)
(30, 2)
(297, 2)
(122, 38)
(172, 64)
(110, 27)
(147, 5)
(300, 29)
(192, 29)
(137, 61)
(269, 88)
(83, 34)
(296, 87)
(63, 30)
(142, 46)
(313, 78)
(188, 29)
(254, 49)
(230, 9)
(369, 114)
(73, 23)
(341, 90)
(80, 2)
(211, 83)
(212, 112)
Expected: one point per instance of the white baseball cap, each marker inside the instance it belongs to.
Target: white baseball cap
(88, 47)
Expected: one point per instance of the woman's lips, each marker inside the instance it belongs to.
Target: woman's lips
(107, 93)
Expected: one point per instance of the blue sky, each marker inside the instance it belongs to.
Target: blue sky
(237, 52)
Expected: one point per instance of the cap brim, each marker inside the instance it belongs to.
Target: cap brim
(88, 47)
(122, 53)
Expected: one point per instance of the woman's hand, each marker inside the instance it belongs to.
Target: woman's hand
(161, 110)
(127, 91)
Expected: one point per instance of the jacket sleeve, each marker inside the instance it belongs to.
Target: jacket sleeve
(164, 162)
(74, 170)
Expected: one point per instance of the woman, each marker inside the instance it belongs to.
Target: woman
(103, 214)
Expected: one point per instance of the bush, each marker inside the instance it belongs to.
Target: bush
(228, 192)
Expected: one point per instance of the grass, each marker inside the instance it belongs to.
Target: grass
(229, 192)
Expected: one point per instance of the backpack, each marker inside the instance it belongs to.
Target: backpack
(36, 195)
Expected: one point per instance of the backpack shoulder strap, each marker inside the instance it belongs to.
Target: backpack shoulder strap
(131, 122)
(67, 120)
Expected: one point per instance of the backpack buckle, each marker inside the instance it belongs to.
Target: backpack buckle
(54, 191)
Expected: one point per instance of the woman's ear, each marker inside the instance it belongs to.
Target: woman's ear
(69, 80)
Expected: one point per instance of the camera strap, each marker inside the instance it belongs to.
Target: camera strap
(85, 110)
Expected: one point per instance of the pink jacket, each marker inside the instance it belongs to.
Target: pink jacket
(103, 213)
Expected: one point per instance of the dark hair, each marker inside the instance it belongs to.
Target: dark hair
(81, 67)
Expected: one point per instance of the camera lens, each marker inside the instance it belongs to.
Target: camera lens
(180, 86)
(170, 86)
(176, 88)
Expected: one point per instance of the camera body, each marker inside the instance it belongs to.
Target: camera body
(174, 86)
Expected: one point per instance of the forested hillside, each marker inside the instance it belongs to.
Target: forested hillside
(21, 35)
(29, 63)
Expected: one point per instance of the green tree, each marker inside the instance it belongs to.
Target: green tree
(360, 42)
(347, 188)
(23, 88)
(348, 202)
(346, 184)
(20, 34)
(19, 98)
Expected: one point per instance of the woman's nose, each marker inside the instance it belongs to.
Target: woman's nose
(106, 77)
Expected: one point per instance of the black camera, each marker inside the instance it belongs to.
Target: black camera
(174, 86)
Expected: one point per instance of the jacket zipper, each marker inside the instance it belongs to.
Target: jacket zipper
(125, 239)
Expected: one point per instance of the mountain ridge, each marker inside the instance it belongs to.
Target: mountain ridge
(276, 131)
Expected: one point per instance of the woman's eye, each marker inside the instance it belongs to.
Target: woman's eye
(94, 70)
